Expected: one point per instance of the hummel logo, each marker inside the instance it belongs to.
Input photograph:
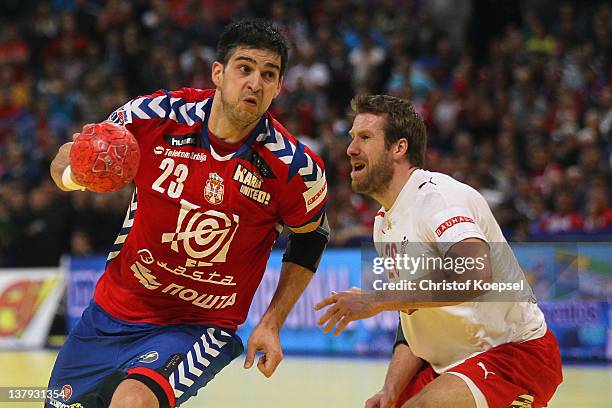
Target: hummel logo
(481, 365)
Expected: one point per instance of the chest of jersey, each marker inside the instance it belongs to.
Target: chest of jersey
(193, 174)
(392, 229)
(399, 235)
(199, 206)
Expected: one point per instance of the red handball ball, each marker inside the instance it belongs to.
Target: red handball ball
(104, 157)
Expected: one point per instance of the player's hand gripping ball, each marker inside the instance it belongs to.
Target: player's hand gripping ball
(104, 157)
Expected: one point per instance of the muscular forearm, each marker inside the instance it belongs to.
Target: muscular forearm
(443, 287)
(403, 367)
(384, 303)
(403, 300)
(293, 280)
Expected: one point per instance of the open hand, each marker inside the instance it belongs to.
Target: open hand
(344, 308)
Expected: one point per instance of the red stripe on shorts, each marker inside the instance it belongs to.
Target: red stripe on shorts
(158, 378)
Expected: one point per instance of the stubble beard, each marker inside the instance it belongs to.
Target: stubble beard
(240, 118)
(377, 180)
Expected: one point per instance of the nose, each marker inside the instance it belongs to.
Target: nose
(255, 81)
(352, 149)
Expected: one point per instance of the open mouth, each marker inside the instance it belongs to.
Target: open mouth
(357, 168)
(251, 101)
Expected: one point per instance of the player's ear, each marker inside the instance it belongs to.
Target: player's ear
(402, 147)
(217, 73)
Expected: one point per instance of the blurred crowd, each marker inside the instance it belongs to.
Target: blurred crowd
(517, 98)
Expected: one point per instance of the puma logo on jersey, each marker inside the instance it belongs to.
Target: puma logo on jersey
(427, 182)
(486, 372)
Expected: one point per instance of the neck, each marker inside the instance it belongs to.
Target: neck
(222, 127)
(397, 183)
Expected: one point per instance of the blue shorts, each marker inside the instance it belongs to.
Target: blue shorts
(180, 359)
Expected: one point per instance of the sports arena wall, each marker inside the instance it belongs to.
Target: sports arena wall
(573, 283)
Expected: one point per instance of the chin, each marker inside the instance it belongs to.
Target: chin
(360, 188)
(246, 118)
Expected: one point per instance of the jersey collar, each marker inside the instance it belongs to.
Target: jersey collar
(410, 188)
(259, 130)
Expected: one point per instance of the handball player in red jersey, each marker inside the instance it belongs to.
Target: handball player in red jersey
(218, 179)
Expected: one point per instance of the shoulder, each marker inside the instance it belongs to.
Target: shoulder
(435, 190)
(192, 94)
(441, 199)
(299, 171)
(296, 159)
(185, 106)
(450, 209)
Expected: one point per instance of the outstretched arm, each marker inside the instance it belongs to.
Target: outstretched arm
(346, 306)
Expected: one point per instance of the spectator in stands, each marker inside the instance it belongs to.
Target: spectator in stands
(598, 211)
(564, 218)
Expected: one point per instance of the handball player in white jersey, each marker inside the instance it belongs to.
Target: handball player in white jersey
(463, 352)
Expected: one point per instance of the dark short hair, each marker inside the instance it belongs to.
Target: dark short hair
(252, 33)
(402, 121)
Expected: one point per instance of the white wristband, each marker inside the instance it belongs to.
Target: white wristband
(68, 182)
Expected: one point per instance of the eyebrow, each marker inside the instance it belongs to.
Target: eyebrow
(253, 61)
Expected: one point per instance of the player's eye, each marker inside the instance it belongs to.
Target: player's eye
(245, 68)
(269, 75)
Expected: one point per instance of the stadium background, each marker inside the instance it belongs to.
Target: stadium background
(516, 96)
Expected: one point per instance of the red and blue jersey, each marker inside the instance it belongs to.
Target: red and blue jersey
(202, 221)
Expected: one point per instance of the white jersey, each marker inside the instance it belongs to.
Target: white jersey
(437, 211)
